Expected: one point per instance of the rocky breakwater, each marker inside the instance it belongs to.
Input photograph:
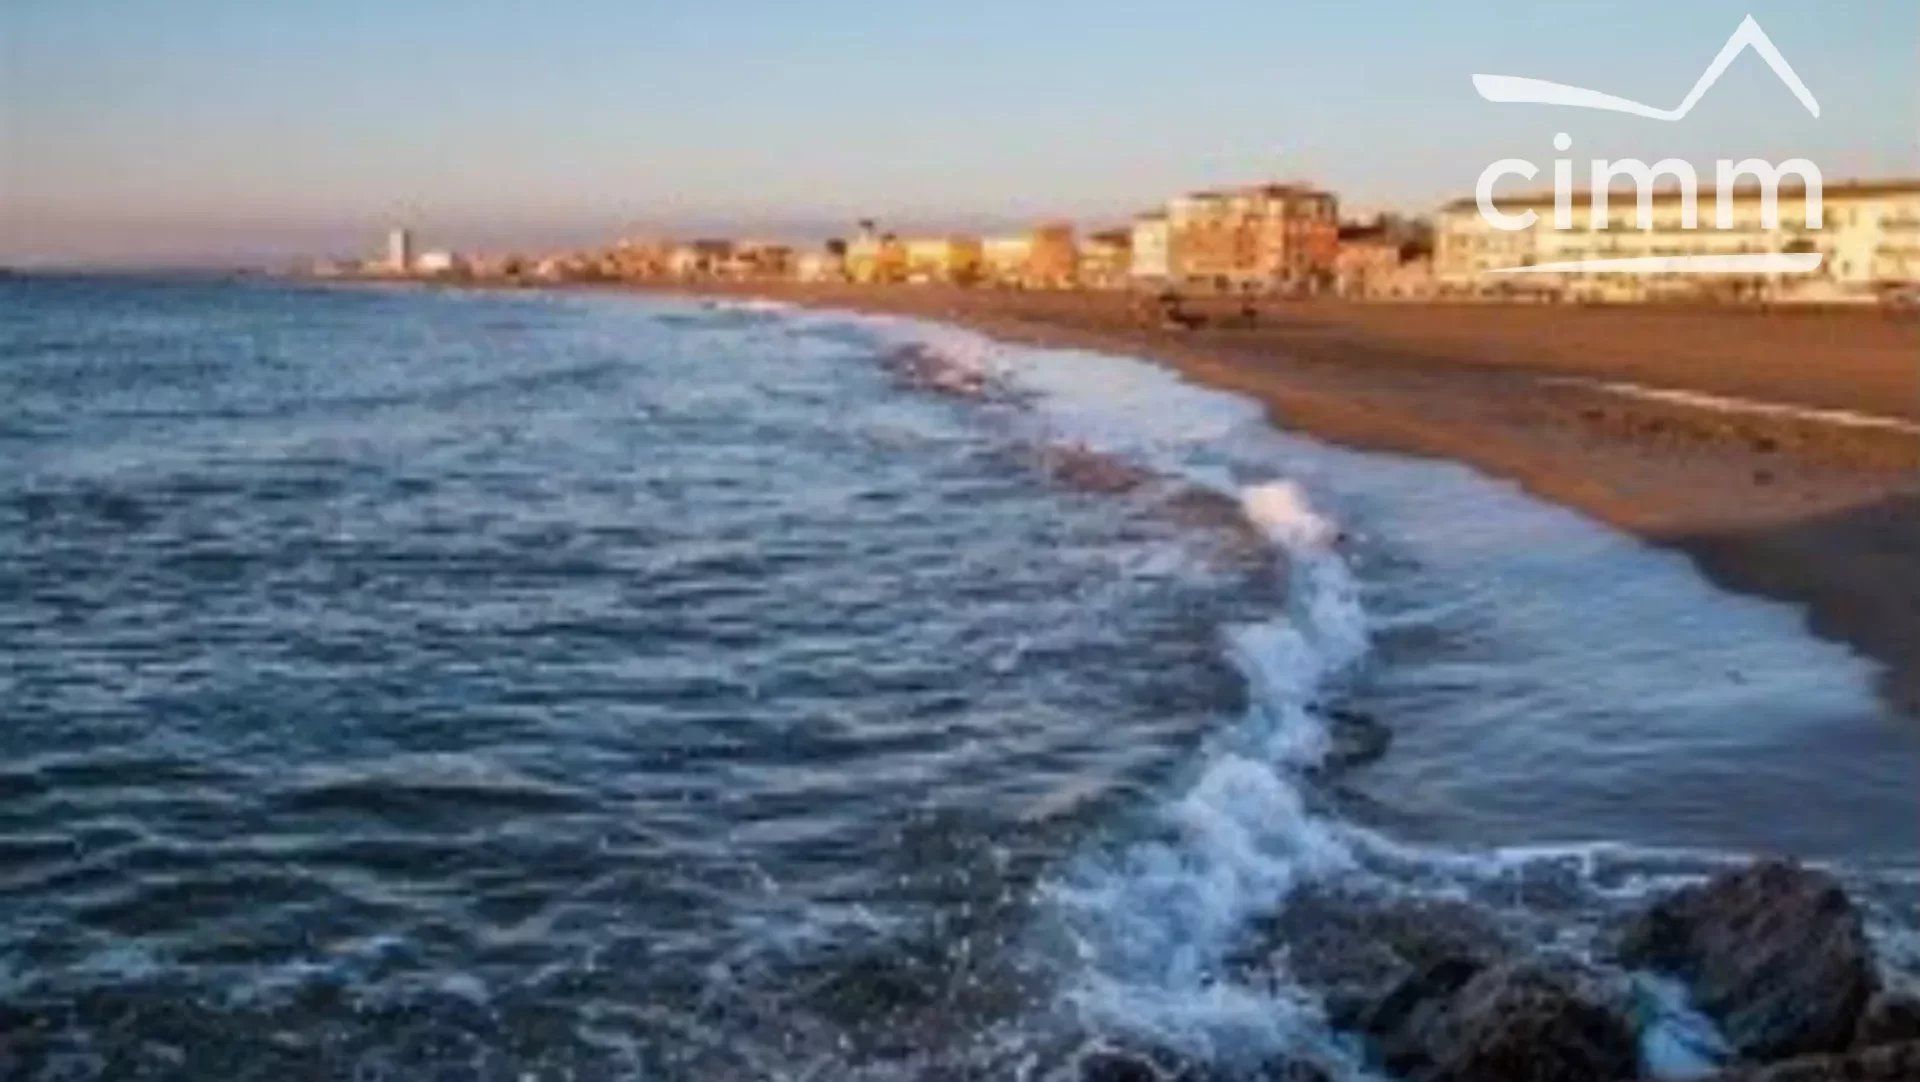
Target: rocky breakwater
(1774, 954)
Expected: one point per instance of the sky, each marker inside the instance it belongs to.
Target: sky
(210, 131)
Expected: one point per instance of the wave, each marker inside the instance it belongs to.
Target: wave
(1142, 933)
(1153, 924)
(1147, 927)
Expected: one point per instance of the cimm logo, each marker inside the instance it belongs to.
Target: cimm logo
(1728, 174)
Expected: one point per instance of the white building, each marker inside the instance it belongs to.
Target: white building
(399, 250)
(1152, 249)
(1867, 232)
(1003, 260)
(953, 259)
(820, 266)
(437, 261)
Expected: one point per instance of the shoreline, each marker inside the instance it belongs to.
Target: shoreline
(1779, 501)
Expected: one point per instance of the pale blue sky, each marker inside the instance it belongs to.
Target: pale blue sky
(138, 130)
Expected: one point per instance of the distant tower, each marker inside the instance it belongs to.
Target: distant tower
(399, 250)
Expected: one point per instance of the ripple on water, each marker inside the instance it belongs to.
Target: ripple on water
(450, 684)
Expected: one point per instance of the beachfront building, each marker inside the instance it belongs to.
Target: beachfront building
(566, 267)
(1868, 235)
(874, 257)
(499, 266)
(1264, 238)
(699, 258)
(438, 262)
(1369, 257)
(1151, 253)
(750, 260)
(1003, 260)
(1053, 260)
(1412, 280)
(639, 257)
(1216, 248)
(951, 260)
(1106, 259)
(399, 250)
(1296, 236)
(829, 264)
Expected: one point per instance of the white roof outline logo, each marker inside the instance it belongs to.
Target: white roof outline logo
(1520, 89)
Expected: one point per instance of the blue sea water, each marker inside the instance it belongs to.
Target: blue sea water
(405, 683)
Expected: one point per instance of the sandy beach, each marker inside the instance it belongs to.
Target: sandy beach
(1779, 449)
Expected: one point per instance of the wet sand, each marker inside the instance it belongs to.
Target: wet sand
(1805, 488)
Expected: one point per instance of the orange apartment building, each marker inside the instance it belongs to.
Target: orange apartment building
(1266, 237)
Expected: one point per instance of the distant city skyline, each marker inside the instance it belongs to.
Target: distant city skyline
(214, 131)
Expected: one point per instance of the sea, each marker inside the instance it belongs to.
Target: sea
(405, 683)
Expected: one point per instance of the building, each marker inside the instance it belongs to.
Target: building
(399, 250)
(1053, 260)
(1868, 234)
(952, 260)
(1263, 238)
(640, 257)
(1106, 259)
(700, 258)
(1412, 280)
(829, 264)
(1367, 260)
(875, 258)
(1296, 236)
(502, 265)
(1003, 260)
(438, 261)
(1216, 248)
(750, 260)
(1152, 250)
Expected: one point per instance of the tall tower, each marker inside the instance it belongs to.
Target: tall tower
(399, 250)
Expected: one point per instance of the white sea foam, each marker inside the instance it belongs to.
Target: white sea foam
(1153, 922)
(1150, 924)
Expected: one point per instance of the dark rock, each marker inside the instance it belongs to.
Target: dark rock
(1525, 1024)
(925, 369)
(1890, 1018)
(1460, 1022)
(1118, 1067)
(1203, 507)
(1403, 1022)
(1775, 953)
(1354, 947)
(1885, 1063)
(1091, 471)
(1354, 738)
